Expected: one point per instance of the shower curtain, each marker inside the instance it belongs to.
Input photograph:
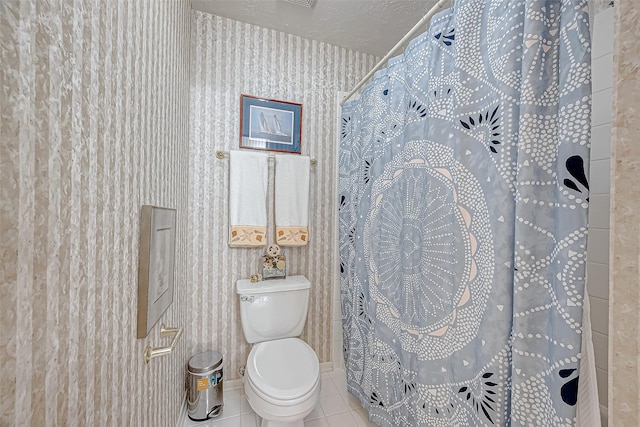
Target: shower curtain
(463, 220)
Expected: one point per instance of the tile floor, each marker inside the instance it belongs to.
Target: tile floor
(336, 408)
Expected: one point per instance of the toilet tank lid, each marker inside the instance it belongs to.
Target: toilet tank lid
(291, 283)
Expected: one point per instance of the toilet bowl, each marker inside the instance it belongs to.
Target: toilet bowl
(282, 376)
(282, 381)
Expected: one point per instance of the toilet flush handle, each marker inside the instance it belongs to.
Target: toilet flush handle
(248, 298)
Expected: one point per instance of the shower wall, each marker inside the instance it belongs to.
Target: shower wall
(230, 58)
(94, 118)
(598, 248)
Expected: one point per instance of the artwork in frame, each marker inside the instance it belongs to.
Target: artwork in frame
(156, 262)
(269, 124)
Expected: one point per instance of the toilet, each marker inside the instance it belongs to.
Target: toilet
(282, 377)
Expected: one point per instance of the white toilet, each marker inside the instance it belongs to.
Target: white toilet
(282, 378)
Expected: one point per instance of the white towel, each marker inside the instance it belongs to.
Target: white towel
(292, 200)
(248, 177)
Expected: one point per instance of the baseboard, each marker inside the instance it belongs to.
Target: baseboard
(232, 384)
(326, 367)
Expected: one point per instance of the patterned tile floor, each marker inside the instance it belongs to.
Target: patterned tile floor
(336, 408)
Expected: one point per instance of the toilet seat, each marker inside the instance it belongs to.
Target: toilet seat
(283, 372)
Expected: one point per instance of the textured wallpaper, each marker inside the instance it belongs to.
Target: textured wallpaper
(94, 119)
(229, 58)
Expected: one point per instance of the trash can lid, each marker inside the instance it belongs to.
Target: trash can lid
(205, 361)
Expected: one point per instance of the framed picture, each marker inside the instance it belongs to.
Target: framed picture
(156, 262)
(268, 124)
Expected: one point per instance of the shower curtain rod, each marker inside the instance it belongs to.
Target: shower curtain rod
(406, 38)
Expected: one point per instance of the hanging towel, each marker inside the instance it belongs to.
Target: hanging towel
(292, 200)
(248, 176)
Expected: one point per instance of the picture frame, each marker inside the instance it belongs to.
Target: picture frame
(156, 265)
(270, 124)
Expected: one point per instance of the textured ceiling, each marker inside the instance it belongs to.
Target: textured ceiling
(370, 26)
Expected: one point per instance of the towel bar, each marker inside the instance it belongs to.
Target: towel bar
(222, 154)
(151, 352)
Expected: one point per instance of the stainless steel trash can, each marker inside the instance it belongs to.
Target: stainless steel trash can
(204, 386)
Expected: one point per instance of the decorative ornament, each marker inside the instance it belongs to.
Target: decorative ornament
(273, 250)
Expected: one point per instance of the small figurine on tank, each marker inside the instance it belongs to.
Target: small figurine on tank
(274, 264)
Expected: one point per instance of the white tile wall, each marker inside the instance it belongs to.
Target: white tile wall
(599, 315)
(598, 279)
(601, 113)
(600, 183)
(602, 149)
(602, 72)
(598, 248)
(602, 41)
(601, 349)
(599, 210)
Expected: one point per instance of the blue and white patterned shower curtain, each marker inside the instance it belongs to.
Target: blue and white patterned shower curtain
(463, 220)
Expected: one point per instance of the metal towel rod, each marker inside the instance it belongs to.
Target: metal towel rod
(222, 154)
(151, 352)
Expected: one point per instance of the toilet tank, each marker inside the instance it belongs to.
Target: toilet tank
(273, 309)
